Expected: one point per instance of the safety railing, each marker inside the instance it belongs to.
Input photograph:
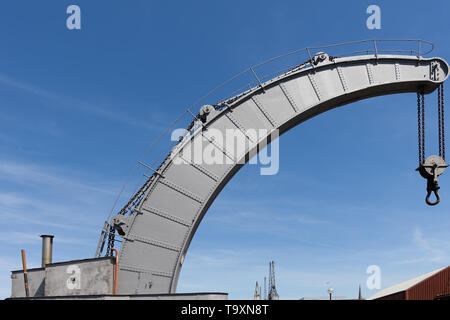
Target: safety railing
(254, 77)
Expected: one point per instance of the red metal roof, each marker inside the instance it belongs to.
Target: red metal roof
(425, 287)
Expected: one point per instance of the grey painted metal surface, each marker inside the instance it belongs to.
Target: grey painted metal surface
(36, 283)
(156, 236)
(80, 277)
(70, 278)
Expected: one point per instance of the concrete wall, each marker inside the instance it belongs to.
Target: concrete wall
(71, 278)
(80, 277)
(36, 283)
(89, 279)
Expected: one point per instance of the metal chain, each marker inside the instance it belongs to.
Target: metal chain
(439, 121)
(419, 131)
(423, 125)
(442, 121)
(437, 161)
(111, 239)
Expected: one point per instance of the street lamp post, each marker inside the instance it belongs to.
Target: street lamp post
(330, 291)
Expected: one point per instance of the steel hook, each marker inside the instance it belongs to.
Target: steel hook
(427, 199)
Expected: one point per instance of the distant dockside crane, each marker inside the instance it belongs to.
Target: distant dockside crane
(257, 295)
(272, 294)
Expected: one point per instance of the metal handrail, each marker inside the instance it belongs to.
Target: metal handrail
(374, 49)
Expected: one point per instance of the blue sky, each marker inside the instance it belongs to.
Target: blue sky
(80, 107)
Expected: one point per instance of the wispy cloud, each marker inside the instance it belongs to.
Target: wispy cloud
(433, 249)
(284, 209)
(218, 258)
(66, 221)
(15, 237)
(29, 209)
(30, 173)
(259, 216)
(36, 199)
(52, 197)
(70, 103)
(26, 87)
(424, 249)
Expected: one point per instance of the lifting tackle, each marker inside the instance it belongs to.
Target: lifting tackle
(433, 166)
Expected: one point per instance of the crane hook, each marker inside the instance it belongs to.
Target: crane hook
(432, 167)
(432, 186)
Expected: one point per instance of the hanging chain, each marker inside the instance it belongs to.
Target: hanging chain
(421, 126)
(439, 121)
(419, 132)
(442, 121)
(111, 239)
(421, 123)
(433, 166)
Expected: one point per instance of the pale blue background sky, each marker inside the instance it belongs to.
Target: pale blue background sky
(79, 108)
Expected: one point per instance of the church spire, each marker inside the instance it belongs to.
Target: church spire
(359, 294)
